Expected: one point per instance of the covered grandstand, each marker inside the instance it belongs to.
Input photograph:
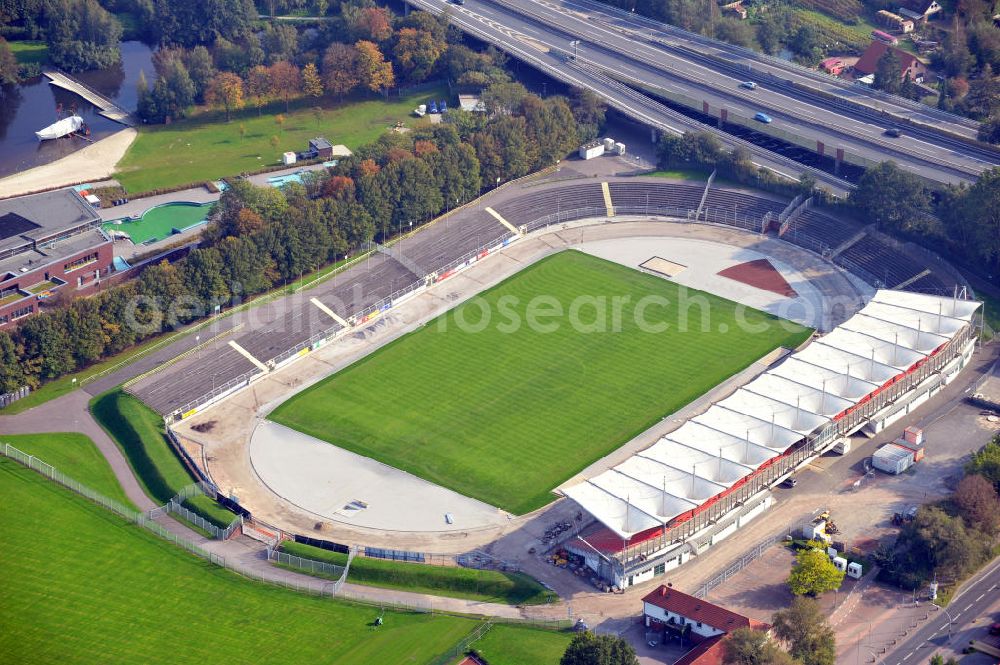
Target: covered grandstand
(704, 480)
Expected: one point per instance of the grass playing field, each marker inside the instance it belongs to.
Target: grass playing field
(73, 454)
(507, 416)
(82, 586)
(510, 645)
(206, 147)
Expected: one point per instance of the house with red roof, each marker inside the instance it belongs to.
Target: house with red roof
(670, 613)
(908, 63)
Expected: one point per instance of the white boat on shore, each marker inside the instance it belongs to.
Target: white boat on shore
(61, 128)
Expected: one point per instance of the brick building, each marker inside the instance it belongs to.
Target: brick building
(50, 243)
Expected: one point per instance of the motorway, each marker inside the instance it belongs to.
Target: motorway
(656, 60)
(967, 610)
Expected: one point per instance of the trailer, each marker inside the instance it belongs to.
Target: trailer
(892, 459)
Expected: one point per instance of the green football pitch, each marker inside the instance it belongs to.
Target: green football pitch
(504, 413)
(81, 585)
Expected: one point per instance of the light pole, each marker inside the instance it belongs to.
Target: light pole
(575, 43)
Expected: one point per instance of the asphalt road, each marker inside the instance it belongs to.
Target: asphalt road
(654, 60)
(973, 602)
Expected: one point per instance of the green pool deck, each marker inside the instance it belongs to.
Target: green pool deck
(159, 222)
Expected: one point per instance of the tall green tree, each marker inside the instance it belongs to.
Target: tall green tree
(895, 200)
(12, 374)
(586, 648)
(888, 72)
(804, 627)
(814, 573)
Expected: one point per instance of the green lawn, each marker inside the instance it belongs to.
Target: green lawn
(509, 645)
(76, 456)
(81, 585)
(30, 51)
(206, 147)
(507, 417)
(485, 585)
(139, 432)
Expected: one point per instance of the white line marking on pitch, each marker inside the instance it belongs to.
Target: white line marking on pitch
(246, 354)
(329, 312)
(497, 216)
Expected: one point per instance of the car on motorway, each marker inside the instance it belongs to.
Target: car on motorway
(458, 2)
(893, 132)
(749, 85)
(789, 482)
(762, 117)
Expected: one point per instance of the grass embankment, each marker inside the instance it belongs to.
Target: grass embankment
(486, 585)
(139, 432)
(83, 586)
(76, 456)
(206, 147)
(28, 52)
(505, 416)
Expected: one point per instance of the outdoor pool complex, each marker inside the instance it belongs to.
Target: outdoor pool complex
(161, 221)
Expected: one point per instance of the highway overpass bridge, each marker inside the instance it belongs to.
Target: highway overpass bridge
(839, 120)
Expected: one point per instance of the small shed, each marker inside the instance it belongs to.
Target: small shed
(591, 150)
(288, 158)
(892, 459)
(320, 147)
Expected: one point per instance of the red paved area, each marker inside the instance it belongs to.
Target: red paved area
(759, 274)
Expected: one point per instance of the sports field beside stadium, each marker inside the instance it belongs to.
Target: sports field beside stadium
(504, 413)
(83, 586)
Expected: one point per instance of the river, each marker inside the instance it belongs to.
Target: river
(26, 108)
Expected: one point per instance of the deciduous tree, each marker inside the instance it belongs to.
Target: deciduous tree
(814, 573)
(312, 85)
(586, 648)
(893, 199)
(804, 627)
(286, 81)
(340, 69)
(225, 90)
(976, 497)
(888, 72)
(258, 86)
(374, 72)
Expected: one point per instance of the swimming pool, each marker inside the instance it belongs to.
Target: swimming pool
(282, 180)
(161, 221)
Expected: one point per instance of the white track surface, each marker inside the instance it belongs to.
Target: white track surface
(324, 479)
(703, 259)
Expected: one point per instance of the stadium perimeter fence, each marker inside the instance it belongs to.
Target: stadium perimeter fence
(293, 581)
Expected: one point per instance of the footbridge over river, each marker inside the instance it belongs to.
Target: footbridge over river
(107, 107)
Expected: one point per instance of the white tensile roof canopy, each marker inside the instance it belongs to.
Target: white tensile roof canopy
(765, 417)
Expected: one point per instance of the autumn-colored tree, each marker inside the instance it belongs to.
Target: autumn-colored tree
(312, 85)
(416, 53)
(275, 142)
(375, 73)
(243, 132)
(258, 85)
(374, 23)
(340, 69)
(977, 499)
(279, 120)
(423, 148)
(225, 90)
(248, 221)
(395, 154)
(339, 187)
(286, 80)
(368, 167)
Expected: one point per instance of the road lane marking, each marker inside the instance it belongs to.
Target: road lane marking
(981, 596)
(967, 607)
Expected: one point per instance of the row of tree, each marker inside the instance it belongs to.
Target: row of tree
(280, 67)
(262, 237)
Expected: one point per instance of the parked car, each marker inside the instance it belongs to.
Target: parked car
(459, 2)
(762, 117)
(789, 482)
(893, 132)
(749, 85)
